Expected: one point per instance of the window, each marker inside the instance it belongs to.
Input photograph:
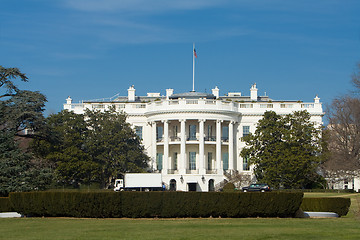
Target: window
(225, 158)
(159, 133)
(138, 131)
(307, 105)
(140, 106)
(210, 136)
(246, 106)
(159, 160)
(175, 130)
(225, 133)
(266, 106)
(192, 160)
(246, 166)
(283, 105)
(98, 106)
(192, 132)
(209, 161)
(175, 160)
(120, 106)
(246, 130)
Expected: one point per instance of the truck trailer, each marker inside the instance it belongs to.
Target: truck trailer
(139, 182)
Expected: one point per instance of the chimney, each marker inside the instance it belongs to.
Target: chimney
(68, 100)
(317, 99)
(131, 94)
(169, 92)
(216, 92)
(253, 92)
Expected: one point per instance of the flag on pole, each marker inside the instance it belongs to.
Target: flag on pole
(195, 53)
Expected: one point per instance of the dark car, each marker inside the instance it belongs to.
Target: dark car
(257, 187)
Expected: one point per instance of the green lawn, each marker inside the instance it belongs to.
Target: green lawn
(211, 228)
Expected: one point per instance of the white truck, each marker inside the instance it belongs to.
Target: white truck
(139, 182)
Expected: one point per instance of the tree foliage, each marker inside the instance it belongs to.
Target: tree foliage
(91, 147)
(114, 145)
(19, 110)
(19, 171)
(285, 151)
(64, 144)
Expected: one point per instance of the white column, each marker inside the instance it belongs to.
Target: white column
(231, 146)
(166, 148)
(153, 141)
(201, 147)
(182, 162)
(218, 147)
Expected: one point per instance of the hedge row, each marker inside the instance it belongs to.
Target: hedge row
(5, 205)
(156, 204)
(320, 190)
(338, 205)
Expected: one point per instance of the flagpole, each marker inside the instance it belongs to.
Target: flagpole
(193, 89)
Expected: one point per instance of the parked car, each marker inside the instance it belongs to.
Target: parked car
(257, 187)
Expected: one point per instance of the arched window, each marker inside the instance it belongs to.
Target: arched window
(172, 185)
(211, 185)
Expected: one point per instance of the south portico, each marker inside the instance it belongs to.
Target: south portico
(193, 152)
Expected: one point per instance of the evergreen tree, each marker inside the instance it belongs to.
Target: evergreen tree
(285, 151)
(19, 110)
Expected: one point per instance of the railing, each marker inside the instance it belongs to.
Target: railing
(192, 101)
(192, 138)
(188, 171)
(173, 171)
(225, 139)
(175, 139)
(174, 102)
(210, 138)
(211, 171)
(159, 139)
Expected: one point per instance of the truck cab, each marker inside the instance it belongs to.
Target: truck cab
(119, 185)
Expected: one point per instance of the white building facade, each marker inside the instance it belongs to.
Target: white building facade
(194, 139)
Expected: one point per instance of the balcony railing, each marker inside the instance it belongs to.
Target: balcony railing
(210, 138)
(175, 139)
(225, 139)
(192, 138)
(173, 171)
(188, 171)
(211, 171)
(159, 139)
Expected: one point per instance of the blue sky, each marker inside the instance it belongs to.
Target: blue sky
(91, 49)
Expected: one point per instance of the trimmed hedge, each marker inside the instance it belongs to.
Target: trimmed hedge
(338, 205)
(229, 187)
(5, 205)
(156, 204)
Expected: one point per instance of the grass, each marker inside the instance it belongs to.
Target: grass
(209, 228)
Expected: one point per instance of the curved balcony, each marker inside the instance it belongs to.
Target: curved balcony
(191, 105)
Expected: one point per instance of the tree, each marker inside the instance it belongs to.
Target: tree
(91, 147)
(285, 151)
(343, 135)
(64, 144)
(17, 171)
(19, 110)
(114, 145)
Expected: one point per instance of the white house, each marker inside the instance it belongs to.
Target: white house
(194, 139)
